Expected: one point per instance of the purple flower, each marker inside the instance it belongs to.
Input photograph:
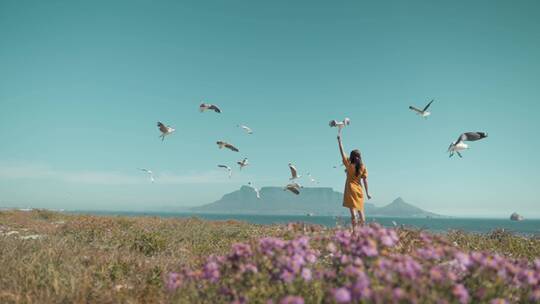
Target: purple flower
(387, 241)
(311, 258)
(292, 300)
(460, 292)
(342, 295)
(398, 293)
(370, 248)
(306, 274)
(251, 268)
(287, 276)
(463, 259)
(435, 274)
(241, 250)
(174, 281)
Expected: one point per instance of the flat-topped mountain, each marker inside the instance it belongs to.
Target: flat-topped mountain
(318, 201)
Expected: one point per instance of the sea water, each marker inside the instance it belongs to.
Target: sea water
(480, 225)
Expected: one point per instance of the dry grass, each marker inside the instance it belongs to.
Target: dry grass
(105, 259)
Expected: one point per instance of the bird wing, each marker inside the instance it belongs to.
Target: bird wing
(162, 127)
(461, 138)
(473, 136)
(203, 107)
(332, 123)
(231, 147)
(293, 189)
(247, 129)
(415, 109)
(224, 166)
(215, 108)
(429, 104)
(294, 173)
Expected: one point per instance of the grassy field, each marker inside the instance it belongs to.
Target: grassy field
(60, 258)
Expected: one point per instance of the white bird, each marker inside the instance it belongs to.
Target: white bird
(257, 191)
(460, 145)
(223, 144)
(227, 168)
(246, 128)
(206, 106)
(242, 163)
(312, 179)
(294, 172)
(165, 130)
(293, 187)
(394, 223)
(150, 173)
(340, 124)
(424, 112)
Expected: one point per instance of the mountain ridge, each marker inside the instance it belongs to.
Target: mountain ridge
(312, 200)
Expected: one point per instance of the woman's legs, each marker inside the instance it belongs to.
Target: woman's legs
(353, 218)
(362, 220)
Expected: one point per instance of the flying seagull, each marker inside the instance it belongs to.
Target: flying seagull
(222, 144)
(227, 168)
(294, 172)
(460, 145)
(424, 112)
(340, 124)
(257, 191)
(165, 130)
(242, 163)
(149, 173)
(312, 179)
(293, 187)
(246, 128)
(206, 106)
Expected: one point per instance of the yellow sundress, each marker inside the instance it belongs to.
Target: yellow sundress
(353, 195)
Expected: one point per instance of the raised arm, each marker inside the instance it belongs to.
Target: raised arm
(343, 156)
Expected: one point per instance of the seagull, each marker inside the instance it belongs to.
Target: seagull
(227, 145)
(242, 163)
(312, 179)
(340, 124)
(246, 128)
(165, 130)
(257, 191)
(294, 172)
(294, 188)
(228, 169)
(150, 173)
(206, 106)
(460, 145)
(424, 113)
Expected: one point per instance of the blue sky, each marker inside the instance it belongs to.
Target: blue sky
(83, 84)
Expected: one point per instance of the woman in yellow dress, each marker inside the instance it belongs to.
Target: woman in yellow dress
(353, 196)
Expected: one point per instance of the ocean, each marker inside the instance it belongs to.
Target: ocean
(525, 227)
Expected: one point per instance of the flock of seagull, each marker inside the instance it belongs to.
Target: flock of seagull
(293, 186)
(459, 144)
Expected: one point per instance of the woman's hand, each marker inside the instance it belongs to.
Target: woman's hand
(368, 197)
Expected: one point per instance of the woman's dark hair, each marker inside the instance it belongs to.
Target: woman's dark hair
(356, 159)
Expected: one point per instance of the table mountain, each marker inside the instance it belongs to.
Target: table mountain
(319, 201)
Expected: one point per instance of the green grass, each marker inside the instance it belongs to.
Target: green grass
(106, 259)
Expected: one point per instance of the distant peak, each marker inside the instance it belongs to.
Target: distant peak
(399, 200)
